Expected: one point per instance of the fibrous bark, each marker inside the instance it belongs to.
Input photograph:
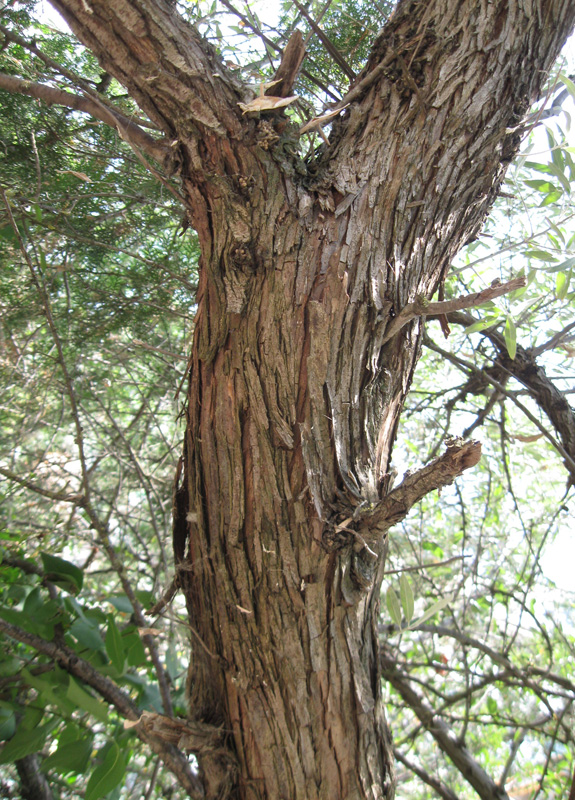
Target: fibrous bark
(295, 387)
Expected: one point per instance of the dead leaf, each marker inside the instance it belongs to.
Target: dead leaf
(80, 175)
(149, 632)
(520, 437)
(266, 103)
(316, 123)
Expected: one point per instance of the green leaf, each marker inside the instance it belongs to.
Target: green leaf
(569, 85)
(541, 186)
(114, 645)
(61, 572)
(108, 775)
(393, 606)
(134, 648)
(431, 611)
(482, 324)
(562, 285)
(85, 701)
(47, 692)
(87, 633)
(562, 267)
(406, 594)
(542, 255)
(24, 742)
(491, 706)
(510, 337)
(69, 757)
(121, 603)
(7, 724)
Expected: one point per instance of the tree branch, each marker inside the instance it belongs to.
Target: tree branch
(33, 783)
(458, 457)
(424, 308)
(87, 105)
(70, 661)
(442, 790)
(58, 496)
(446, 739)
(542, 390)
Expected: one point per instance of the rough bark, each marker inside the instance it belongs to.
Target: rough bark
(295, 391)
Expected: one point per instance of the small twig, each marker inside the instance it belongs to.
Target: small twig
(428, 565)
(442, 790)
(59, 496)
(553, 341)
(327, 43)
(165, 599)
(424, 308)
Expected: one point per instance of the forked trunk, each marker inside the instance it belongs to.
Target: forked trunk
(299, 368)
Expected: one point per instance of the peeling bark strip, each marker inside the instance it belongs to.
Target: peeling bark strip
(296, 384)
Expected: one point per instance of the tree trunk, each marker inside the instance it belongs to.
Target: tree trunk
(296, 384)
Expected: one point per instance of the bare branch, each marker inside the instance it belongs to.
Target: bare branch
(77, 80)
(327, 43)
(446, 739)
(524, 369)
(442, 790)
(59, 496)
(424, 308)
(458, 457)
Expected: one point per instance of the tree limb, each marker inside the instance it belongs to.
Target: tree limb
(87, 105)
(543, 391)
(168, 68)
(424, 308)
(458, 457)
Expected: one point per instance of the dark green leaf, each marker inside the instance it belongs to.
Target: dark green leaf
(62, 573)
(114, 645)
(108, 775)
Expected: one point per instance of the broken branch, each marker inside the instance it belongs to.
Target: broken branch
(458, 457)
(422, 307)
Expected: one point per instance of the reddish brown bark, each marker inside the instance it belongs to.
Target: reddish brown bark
(295, 391)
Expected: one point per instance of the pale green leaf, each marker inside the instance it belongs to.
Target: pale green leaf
(510, 337)
(393, 606)
(406, 594)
